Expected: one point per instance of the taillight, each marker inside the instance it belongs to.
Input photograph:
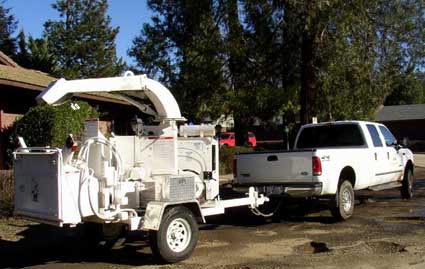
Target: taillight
(235, 173)
(317, 166)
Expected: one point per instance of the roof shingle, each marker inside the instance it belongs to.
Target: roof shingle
(25, 76)
(401, 112)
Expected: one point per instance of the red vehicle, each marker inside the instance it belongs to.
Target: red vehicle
(227, 139)
(252, 140)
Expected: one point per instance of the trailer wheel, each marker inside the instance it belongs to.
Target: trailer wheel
(406, 188)
(177, 235)
(344, 201)
(103, 237)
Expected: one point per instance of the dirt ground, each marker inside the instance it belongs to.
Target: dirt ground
(385, 232)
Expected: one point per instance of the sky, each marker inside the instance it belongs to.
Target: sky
(129, 15)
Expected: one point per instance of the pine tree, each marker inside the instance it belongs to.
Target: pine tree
(182, 48)
(8, 25)
(83, 40)
(368, 49)
(22, 56)
(35, 54)
(329, 59)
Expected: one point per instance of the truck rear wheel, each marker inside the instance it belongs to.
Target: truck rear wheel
(344, 201)
(406, 188)
(177, 235)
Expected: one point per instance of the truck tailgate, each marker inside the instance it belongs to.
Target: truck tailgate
(274, 167)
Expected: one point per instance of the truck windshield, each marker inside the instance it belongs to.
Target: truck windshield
(333, 135)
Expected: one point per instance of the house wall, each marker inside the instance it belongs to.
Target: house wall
(7, 119)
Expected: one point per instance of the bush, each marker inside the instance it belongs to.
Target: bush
(7, 193)
(227, 155)
(48, 126)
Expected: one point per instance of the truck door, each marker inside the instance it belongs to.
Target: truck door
(392, 163)
(377, 156)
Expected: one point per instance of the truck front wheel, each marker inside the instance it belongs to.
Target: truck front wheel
(177, 236)
(344, 201)
(406, 188)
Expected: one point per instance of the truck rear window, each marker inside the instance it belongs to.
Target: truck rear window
(333, 135)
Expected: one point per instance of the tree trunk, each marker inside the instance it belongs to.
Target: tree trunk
(236, 62)
(308, 76)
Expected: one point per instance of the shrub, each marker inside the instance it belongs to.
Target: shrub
(7, 193)
(48, 126)
(227, 155)
(51, 125)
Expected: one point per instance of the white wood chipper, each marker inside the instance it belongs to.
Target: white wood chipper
(163, 180)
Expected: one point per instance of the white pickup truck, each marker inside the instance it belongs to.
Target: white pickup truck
(331, 160)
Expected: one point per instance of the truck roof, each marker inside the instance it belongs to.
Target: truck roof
(339, 122)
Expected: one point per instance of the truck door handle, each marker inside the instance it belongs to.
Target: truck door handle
(388, 155)
(272, 158)
(376, 156)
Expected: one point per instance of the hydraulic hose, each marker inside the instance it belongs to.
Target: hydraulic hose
(87, 174)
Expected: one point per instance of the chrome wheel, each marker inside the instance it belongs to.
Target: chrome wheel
(346, 200)
(178, 235)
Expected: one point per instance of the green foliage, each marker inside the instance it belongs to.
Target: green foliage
(50, 125)
(83, 40)
(261, 59)
(46, 126)
(182, 48)
(407, 89)
(365, 51)
(227, 155)
(7, 192)
(35, 54)
(8, 25)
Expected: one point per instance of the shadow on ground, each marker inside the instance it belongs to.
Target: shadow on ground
(43, 244)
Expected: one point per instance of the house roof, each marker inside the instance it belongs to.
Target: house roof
(5, 60)
(24, 78)
(11, 74)
(401, 112)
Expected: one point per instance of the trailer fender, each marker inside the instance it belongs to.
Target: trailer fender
(155, 210)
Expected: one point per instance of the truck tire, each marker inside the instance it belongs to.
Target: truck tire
(177, 235)
(344, 201)
(406, 188)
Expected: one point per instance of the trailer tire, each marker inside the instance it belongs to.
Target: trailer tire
(177, 235)
(103, 237)
(406, 188)
(344, 207)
